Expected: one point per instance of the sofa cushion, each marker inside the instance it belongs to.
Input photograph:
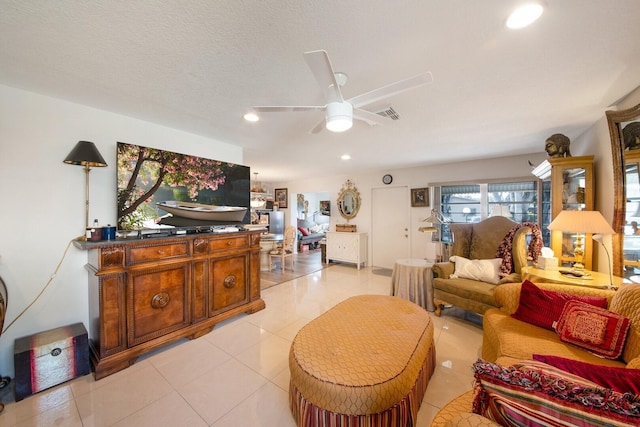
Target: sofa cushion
(467, 288)
(303, 231)
(542, 307)
(485, 270)
(509, 337)
(304, 223)
(622, 380)
(536, 394)
(626, 301)
(487, 237)
(598, 330)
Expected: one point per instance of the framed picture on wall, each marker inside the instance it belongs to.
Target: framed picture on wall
(281, 197)
(419, 197)
(325, 207)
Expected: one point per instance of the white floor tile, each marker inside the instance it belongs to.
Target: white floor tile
(267, 407)
(170, 410)
(122, 397)
(221, 389)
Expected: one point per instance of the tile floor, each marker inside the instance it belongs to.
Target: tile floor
(238, 374)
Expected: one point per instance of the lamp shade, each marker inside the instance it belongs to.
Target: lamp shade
(581, 222)
(85, 153)
(434, 218)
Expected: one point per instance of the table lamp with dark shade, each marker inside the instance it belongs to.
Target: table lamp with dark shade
(86, 154)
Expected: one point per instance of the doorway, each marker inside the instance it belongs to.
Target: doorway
(389, 226)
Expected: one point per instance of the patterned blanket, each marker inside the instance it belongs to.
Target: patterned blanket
(505, 248)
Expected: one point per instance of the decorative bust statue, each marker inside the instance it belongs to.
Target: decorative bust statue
(631, 136)
(557, 145)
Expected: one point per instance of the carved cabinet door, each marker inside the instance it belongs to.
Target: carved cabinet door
(157, 301)
(228, 284)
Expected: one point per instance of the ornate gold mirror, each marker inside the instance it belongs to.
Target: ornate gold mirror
(348, 200)
(624, 128)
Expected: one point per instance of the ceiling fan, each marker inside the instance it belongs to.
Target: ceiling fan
(340, 112)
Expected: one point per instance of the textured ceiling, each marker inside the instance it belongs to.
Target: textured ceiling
(199, 65)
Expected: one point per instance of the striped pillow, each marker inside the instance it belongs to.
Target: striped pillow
(536, 394)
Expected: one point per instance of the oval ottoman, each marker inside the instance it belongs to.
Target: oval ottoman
(365, 362)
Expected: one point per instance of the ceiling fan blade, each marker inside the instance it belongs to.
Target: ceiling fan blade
(390, 90)
(369, 117)
(318, 61)
(275, 109)
(319, 127)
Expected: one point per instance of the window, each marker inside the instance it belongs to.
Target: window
(473, 202)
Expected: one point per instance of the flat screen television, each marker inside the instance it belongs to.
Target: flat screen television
(162, 189)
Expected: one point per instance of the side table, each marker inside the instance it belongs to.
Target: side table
(412, 280)
(268, 242)
(597, 280)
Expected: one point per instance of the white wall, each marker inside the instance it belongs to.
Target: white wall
(43, 201)
(506, 167)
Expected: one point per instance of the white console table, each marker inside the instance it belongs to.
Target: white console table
(347, 247)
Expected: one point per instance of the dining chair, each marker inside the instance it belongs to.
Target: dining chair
(286, 250)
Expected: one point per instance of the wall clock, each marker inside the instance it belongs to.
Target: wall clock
(387, 179)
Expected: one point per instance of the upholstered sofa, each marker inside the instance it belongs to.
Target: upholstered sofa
(508, 342)
(478, 241)
(310, 233)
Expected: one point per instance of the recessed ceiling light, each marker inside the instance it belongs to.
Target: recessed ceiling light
(524, 15)
(251, 117)
(345, 157)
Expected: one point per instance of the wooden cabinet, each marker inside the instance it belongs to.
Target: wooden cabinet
(144, 294)
(568, 184)
(347, 247)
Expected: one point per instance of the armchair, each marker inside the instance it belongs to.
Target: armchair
(478, 241)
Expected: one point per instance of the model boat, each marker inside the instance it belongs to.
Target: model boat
(203, 212)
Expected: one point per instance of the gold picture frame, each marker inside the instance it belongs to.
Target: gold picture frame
(281, 196)
(419, 197)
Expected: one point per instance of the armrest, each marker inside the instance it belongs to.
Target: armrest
(443, 269)
(508, 295)
(520, 248)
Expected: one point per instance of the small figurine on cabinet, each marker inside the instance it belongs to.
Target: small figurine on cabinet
(557, 145)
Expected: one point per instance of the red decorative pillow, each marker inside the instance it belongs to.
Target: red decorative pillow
(304, 231)
(541, 307)
(622, 380)
(596, 329)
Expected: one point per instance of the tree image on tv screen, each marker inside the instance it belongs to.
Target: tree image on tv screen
(143, 172)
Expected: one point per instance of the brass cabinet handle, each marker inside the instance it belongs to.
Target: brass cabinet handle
(160, 300)
(230, 281)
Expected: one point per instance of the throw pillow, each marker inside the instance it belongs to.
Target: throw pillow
(303, 230)
(623, 380)
(541, 307)
(485, 270)
(596, 329)
(535, 394)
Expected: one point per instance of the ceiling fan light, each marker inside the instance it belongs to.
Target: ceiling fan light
(339, 116)
(251, 117)
(524, 15)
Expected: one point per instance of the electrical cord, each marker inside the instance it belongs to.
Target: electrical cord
(55, 272)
